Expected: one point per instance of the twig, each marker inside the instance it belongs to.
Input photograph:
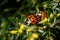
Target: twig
(55, 23)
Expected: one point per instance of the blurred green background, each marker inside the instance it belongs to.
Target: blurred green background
(14, 12)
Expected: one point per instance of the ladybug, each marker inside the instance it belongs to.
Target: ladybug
(36, 18)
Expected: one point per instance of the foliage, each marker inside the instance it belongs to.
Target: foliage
(14, 12)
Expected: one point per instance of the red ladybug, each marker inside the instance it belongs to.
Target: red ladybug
(36, 18)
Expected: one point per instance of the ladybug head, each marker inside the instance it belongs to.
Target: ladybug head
(27, 21)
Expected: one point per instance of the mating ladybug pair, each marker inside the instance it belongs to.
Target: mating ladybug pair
(36, 18)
